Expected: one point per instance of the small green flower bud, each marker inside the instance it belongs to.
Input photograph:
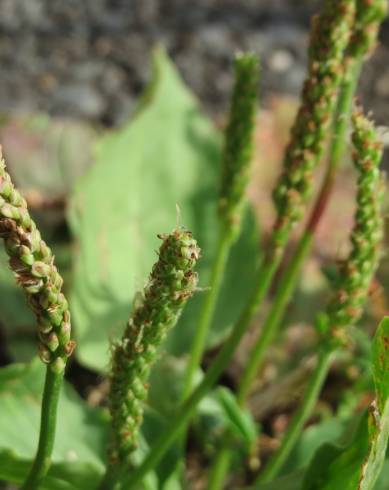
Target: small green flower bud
(65, 333)
(58, 366)
(40, 269)
(44, 354)
(52, 342)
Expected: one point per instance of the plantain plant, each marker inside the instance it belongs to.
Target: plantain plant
(160, 386)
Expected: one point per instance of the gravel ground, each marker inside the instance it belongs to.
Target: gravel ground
(90, 59)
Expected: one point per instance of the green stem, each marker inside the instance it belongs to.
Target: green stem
(220, 467)
(42, 460)
(270, 329)
(207, 312)
(186, 410)
(304, 412)
(289, 280)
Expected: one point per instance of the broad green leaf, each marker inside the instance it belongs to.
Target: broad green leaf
(61, 476)
(81, 430)
(292, 481)
(154, 424)
(168, 155)
(166, 384)
(336, 467)
(311, 439)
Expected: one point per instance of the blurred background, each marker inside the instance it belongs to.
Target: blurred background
(90, 59)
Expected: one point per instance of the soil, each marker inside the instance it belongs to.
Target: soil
(91, 59)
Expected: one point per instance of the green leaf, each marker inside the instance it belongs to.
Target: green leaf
(312, 438)
(336, 467)
(379, 412)
(381, 364)
(167, 468)
(292, 481)
(81, 430)
(219, 414)
(61, 476)
(167, 155)
(358, 465)
(240, 420)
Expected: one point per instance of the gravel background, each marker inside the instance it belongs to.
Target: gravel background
(90, 59)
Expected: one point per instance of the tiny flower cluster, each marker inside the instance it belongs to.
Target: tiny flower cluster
(238, 144)
(357, 271)
(33, 265)
(172, 282)
(331, 31)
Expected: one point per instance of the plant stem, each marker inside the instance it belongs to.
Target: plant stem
(289, 279)
(221, 466)
(224, 245)
(309, 401)
(270, 329)
(42, 460)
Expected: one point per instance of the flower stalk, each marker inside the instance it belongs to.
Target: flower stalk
(354, 279)
(172, 282)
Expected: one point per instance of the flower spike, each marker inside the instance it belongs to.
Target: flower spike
(172, 282)
(358, 270)
(32, 262)
(331, 31)
(238, 145)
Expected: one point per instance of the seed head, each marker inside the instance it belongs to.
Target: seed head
(33, 265)
(330, 35)
(238, 143)
(358, 269)
(172, 282)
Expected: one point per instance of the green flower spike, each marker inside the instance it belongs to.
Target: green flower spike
(358, 270)
(238, 144)
(330, 34)
(369, 15)
(33, 265)
(172, 282)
